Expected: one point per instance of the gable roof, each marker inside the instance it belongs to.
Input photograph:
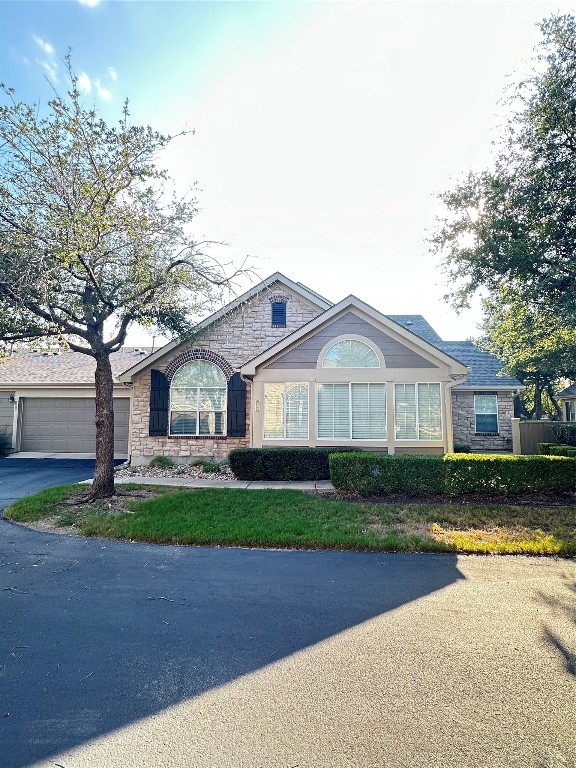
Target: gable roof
(26, 368)
(352, 302)
(568, 392)
(277, 277)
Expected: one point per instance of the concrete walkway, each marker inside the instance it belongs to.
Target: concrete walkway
(254, 485)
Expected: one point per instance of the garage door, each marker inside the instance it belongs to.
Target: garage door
(66, 424)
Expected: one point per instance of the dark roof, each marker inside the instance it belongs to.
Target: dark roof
(568, 392)
(27, 367)
(418, 325)
(485, 367)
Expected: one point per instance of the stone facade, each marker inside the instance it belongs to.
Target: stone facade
(464, 422)
(230, 342)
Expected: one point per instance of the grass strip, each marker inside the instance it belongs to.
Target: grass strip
(296, 519)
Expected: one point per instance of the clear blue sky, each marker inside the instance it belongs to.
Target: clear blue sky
(323, 130)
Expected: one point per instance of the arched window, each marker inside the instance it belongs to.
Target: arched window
(198, 400)
(350, 353)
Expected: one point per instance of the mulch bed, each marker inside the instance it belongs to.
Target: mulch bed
(524, 499)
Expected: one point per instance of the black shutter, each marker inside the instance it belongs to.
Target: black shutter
(159, 399)
(236, 407)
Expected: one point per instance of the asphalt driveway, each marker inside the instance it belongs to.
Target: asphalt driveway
(21, 477)
(114, 654)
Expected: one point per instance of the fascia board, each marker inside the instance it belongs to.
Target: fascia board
(352, 302)
(128, 374)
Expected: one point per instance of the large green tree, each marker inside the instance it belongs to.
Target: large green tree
(533, 348)
(515, 224)
(92, 240)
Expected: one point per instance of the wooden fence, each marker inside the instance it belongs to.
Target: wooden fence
(527, 434)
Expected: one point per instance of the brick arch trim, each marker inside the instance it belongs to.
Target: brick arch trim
(199, 354)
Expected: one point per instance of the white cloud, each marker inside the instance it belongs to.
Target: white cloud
(103, 92)
(46, 47)
(112, 74)
(51, 69)
(89, 3)
(84, 83)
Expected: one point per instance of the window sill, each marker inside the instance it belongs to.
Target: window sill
(487, 434)
(197, 437)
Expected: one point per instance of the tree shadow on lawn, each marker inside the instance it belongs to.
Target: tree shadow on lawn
(98, 634)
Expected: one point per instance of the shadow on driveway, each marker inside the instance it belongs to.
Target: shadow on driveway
(98, 634)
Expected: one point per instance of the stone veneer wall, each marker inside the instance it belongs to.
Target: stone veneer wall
(464, 422)
(238, 337)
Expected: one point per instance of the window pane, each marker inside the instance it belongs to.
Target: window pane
(350, 354)
(325, 407)
(212, 399)
(182, 423)
(184, 399)
(405, 411)
(429, 412)
(199, 373)
(360, 412)
(486, 404)
(341, 412)
(486, 422)
(274, 411)
(211, 423)
(296, 411)
(377, 393)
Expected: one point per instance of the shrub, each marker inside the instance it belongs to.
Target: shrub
(500, 474)
(162, 462)
(210, 466)
(281, 463)
(370, 473)
(564, 432)
(544, 448)
(454, 474)
(563, 450)
(462, 448)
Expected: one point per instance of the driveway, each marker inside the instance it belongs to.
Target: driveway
(116, 654)
(21, 477)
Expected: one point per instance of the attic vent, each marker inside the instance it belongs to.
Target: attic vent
(409, 322)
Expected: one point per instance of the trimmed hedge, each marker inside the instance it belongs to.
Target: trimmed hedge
(453, 474)
(282, 463)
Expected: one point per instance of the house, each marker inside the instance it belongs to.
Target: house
(279, 366)
(567, 400)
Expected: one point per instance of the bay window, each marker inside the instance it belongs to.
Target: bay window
(286, 411)
(351, 411)
(418, 411)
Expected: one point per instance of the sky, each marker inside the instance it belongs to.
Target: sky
(323, 131)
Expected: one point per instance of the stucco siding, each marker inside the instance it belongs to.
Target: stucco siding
(305, 355)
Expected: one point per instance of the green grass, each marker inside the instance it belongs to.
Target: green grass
(285, 518)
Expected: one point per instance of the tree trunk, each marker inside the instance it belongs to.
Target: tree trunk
(103, 484)
(538, 398)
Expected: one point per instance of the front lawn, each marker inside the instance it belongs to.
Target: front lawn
(285, 518)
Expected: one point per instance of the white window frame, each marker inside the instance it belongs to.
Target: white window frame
(487, 394)
(350, 425)
(419, 439)
(341, 340)
(284, 383)
(224, 412)
(570, 411)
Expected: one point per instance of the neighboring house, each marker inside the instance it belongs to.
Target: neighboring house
(280, 366)
(567, 400)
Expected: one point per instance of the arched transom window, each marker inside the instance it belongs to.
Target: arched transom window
(198, 400)
(350, 353)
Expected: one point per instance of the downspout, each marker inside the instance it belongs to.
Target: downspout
(456, 380)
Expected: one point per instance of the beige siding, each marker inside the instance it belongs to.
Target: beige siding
(6, 416)
(305, 355)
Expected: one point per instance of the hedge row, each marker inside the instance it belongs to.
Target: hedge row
(454, 474)
(553, 449)
(282, 463)
(564, 432)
